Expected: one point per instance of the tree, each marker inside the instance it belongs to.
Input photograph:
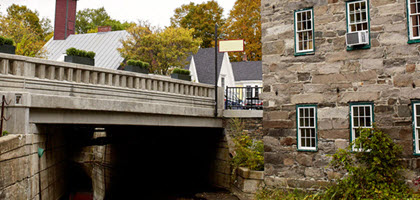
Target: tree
(88, 20)
(26, 29)
(202, 18)
(244, 22)
(162, 49)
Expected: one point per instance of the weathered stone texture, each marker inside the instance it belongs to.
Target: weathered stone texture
(22, 169)
(387, 74)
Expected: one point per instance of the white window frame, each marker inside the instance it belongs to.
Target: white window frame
(410, 21)
(416, 128)
(300, 127)
(349, 24)
(353, 128)
(312, 49)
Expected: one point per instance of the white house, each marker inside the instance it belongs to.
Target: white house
(235, 74)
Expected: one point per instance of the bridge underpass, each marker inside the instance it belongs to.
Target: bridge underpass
(118, 162)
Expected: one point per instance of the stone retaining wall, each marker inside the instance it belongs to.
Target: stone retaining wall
(387, 74)
(22, 172)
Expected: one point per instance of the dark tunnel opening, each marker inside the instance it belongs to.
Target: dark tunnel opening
(143, 162)
(162, 162)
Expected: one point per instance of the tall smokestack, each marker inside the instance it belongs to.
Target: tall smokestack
(65, 18)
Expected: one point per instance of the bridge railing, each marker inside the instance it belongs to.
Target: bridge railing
(75, 73)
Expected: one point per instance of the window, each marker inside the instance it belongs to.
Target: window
(306, 127)
(304, 32)
(413, 18)
(361, 116)
(416, 126)
(358, 18)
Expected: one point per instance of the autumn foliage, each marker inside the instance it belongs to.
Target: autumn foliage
(162, 49)
(244, 22)
(28, 31)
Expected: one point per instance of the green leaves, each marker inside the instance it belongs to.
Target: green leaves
(26, 29)
(202, 18)
(88, 20)
(82, 53)
(181, 71)
(163, 49)
(138, 63)
(7, 41)
(373, 172)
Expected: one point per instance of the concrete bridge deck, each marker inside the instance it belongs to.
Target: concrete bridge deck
(50, 92)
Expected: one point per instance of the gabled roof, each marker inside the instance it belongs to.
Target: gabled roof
(103, 44)
(204, 63)
(247, 70)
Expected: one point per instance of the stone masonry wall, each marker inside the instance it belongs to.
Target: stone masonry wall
(21, 170)
(387, 74)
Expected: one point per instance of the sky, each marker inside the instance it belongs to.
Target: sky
(157, 12)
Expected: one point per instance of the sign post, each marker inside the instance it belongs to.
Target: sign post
(224, 46)
(215, 71)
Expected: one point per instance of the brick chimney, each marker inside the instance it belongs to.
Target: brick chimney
(104, 29)
(65, 18)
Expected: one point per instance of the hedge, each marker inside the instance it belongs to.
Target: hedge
(7, 41)
(138, 63)
(181, 71)
(82, 53)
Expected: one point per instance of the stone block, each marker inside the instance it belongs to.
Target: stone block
(312, 172)
(304, 159)
(326, 147)
(288, 141)
(278, 115)
(341, 144)
(333, 113)
(274, 158)
(325, 124)
(340, 123)
(404, 111)
(288, 162)
(276, 48)
(278, 124)
(403, 80)
(271, 144)
(359, 96)
(334, 134)
(307, 98)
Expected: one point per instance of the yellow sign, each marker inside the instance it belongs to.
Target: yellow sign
(231, 45)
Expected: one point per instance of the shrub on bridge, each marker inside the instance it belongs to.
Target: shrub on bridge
(181, 71)
(6, 41)
(81, 53)
(138, 63)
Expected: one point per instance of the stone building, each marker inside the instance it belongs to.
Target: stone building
(332, 87)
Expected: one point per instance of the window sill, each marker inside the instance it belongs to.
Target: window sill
(305, 53)
(308, 150)
(414, 42)
(358, 48)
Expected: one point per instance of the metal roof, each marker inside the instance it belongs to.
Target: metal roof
(105, 46)
(247, 70)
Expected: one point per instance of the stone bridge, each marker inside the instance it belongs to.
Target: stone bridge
(49, 92)
(105, 127)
